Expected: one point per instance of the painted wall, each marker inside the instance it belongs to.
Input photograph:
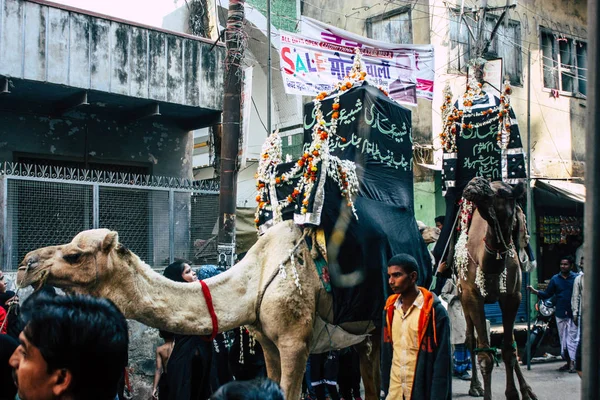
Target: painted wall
(48, 44)
(429, 202)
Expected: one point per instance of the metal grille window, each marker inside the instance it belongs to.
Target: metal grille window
(565, 63)
(43, 214)
(140, 217)
(158, 218)
(204, 229)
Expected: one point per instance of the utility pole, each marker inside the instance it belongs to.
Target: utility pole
(482, 43)
(232, 101)
(591, 295)
(269, 65)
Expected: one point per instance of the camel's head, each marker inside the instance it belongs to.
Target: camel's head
(75, 267)
(494, 200)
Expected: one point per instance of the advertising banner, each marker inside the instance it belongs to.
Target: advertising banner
(322, 56)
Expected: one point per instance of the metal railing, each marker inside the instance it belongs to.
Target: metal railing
(158, 218)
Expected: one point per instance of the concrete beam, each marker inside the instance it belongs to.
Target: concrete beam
(4, 85)
(147, 111)
(79, 99)
(200, 122)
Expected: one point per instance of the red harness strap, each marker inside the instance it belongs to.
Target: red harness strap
(211, 311)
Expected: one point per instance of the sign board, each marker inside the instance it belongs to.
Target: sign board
(320, 58)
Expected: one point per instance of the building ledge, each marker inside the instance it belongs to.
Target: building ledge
(53, 44)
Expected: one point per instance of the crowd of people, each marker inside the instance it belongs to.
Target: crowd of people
(76, 347)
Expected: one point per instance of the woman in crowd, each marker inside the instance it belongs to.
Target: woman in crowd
(188, 376)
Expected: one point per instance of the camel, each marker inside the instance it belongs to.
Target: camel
(492, 272)
(277, 296)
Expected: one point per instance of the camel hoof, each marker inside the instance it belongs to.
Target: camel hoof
(529, 395)
(476, 391)
(513, 396)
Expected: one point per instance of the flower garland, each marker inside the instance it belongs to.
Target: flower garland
(451, 115)
(503, 281)
(461, 256)
(317, 156)
(503, 136)
(270, 157)
(480, 281)
(251, 343)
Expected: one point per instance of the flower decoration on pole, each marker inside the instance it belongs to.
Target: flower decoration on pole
(314, 160)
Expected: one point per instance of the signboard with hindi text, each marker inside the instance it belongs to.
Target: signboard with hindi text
(310, 66)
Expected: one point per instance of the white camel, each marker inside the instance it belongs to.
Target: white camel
(260, 292)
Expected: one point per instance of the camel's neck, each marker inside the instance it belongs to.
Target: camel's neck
(498, 237)
(496, 249)
(181, 307)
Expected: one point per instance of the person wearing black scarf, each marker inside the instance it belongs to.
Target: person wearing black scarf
(188, 367)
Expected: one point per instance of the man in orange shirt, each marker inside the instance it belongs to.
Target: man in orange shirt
(418, 328)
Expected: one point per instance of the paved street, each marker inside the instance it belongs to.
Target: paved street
(546, 381)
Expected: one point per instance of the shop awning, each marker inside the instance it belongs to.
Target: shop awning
(558, 192)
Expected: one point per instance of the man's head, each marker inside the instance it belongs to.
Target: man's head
(566, 264)
(72, 347)
(403, 272)
(264, 389)
(439, 222)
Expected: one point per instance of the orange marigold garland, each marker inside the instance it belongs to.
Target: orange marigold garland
(449, 117)
(453, 118)
(317, 156)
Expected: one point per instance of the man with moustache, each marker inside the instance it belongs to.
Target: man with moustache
(418, 328)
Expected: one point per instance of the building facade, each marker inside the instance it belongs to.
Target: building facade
(96, 116)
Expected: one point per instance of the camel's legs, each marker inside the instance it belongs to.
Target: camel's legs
(473, 307)
(369, 365)
(509, 305)
(476, 390)
(293, 356)
(272, 359)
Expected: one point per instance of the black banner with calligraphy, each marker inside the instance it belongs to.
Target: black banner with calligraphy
(478, 154)
(375, 132)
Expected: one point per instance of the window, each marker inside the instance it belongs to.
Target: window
(565, 63)
(393, 26)
(505, 44)
(461, 43)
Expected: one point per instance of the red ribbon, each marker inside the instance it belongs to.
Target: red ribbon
(211, 311)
